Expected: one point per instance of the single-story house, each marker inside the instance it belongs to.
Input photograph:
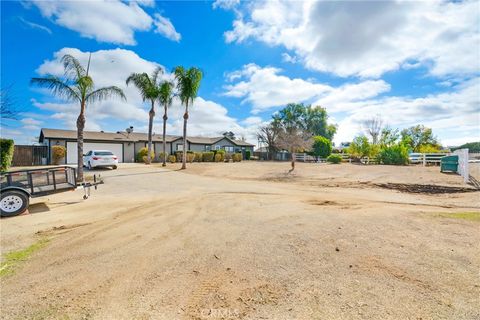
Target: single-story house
(126, 145)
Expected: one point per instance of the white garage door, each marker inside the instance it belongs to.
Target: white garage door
(116, 148)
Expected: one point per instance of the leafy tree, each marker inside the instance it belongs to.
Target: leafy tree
(165, 98)
(361, 147)
(322, 147)
(308, 118)
(389, 137)
(417, 136)
(188, 83)
(149, 90)
(79, 87)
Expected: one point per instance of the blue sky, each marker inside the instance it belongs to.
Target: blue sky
(408, 62)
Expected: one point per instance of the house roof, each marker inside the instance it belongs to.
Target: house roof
(47, 133)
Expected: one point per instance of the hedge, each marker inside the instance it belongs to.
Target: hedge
(207, 156)
(172, 159)
(58, 153)
(334, 158)
(247, 154)
(198, 157)
(6, 153)
(190, 157)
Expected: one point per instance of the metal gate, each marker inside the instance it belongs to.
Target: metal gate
(29, 155)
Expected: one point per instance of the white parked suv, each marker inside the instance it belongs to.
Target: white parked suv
(100, 158)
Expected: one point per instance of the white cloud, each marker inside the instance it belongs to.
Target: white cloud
(264, 88)
(111, 21)
(288, 58)
(225, 4)
(165, 27)
(368, 39)
(35, 25)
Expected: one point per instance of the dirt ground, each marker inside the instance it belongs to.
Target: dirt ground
(249, 241)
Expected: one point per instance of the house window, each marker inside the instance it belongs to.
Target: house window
(217, 147)
(228, 148)
(179, 147)
(207, 148)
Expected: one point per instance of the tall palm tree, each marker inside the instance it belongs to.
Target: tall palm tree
(79, 87)
(188, 82)
(165, 99)
(149, 90)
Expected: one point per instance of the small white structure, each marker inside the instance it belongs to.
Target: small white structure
(463, 163)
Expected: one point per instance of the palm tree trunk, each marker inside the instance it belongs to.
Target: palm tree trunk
(151, 114)
(184, 153)
(80, 127)
(165, 118)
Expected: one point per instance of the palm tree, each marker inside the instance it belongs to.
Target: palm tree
(165, 99)
(79, 87)
(188, 82)
(149, 90)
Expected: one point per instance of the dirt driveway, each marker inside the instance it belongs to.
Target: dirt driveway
(246, 241)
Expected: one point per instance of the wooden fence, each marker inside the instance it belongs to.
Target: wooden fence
(29, 155)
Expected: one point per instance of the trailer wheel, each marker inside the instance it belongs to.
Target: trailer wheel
(13, 202)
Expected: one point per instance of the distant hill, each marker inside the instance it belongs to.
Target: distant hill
(473, 147)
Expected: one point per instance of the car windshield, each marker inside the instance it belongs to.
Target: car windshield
(103, 153)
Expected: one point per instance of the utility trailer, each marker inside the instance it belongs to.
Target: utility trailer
(17, 187)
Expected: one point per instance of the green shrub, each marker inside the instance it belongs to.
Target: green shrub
(190, 157)
(248, 154)
(237, 157)
(58, 153)
(197, 157)
(6, 153)
(179, 156)
(322, 147)
(172, 159)
(143, 154)
(161, 156)
(218, 157)
(360, 147)
(221, 153)
(334, 158)
(207, 156)
(396, 155)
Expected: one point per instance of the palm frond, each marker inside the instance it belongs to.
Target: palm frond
(158, 71)
(188, 83)
(73, 68)
(148, 89)
(166, 93)
(139, 80)
(105, 93)
(58, 87)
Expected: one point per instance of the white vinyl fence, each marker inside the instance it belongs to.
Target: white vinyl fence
(426, 158)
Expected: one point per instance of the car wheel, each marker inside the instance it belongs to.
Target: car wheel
(13, 202)
(114, 167)
(89, 166)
